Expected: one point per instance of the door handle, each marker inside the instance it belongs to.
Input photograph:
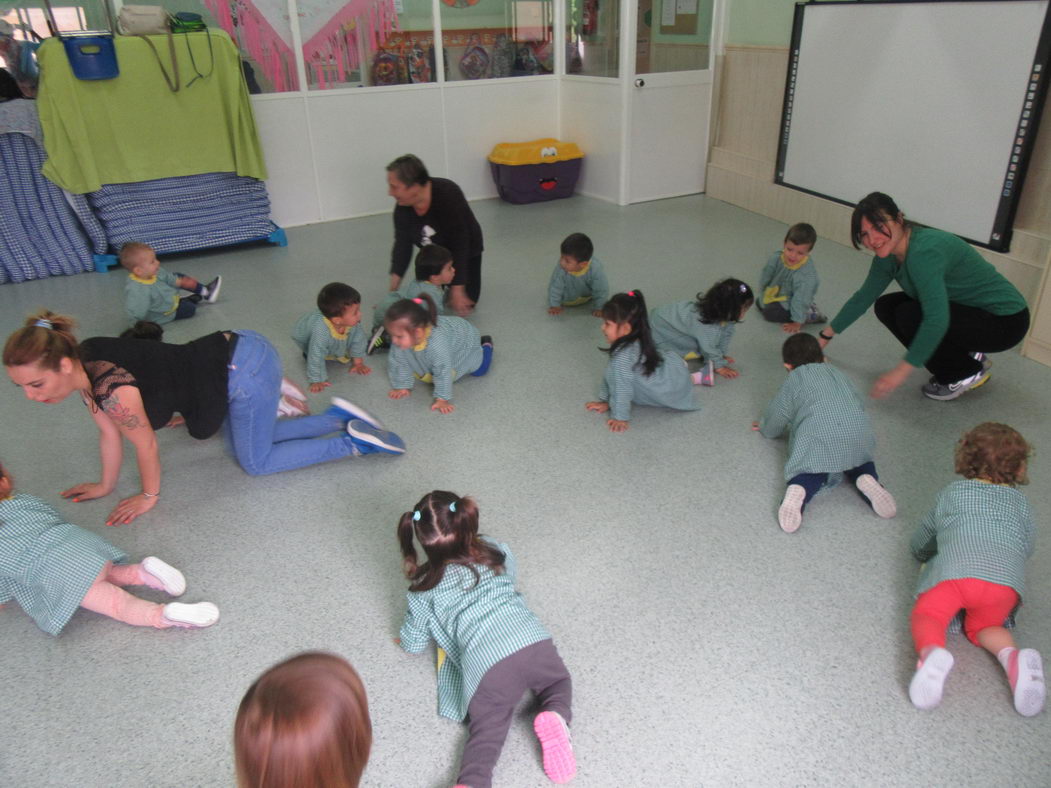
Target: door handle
(640, 83)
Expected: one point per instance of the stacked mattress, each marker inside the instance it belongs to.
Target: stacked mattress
(184, 213)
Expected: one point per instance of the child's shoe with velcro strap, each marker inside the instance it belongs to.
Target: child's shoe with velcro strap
(368, 439)
(1028, 683)
(878, 496)
(790, 514)
(211, 290)
(928, 683)
(378, 340)
(705, 376)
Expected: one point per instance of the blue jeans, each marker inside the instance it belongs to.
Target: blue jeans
(262, 443)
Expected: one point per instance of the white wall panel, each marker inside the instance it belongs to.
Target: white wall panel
(478, 115)
(591, 117)
(357, 134)
(284, 135)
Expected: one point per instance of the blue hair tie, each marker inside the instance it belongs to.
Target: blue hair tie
(416, 516)
(43, 323)
(452, 506)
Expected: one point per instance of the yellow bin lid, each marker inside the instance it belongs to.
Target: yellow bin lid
(545, 151)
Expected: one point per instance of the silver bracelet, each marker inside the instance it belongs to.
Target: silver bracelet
(151, 495)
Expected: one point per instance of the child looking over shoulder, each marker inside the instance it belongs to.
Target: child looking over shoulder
(578, 277)
(434, 272)
(974, 543)
(704, 327)
(332, 333)
(304, 722)
(51, 568)
(829, 432)
(637, 371)
(788, 283)
(492, 647)
(152, 294)
(436, 349)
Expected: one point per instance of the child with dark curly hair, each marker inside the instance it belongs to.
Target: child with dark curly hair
(974, 543)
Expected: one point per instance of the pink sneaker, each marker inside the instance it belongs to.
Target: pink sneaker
(560, 765)
(705, 376)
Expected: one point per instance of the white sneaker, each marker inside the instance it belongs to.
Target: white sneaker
(790, 515)
(942, 391)
(287, 407)
(1029, 689)
(880, 499)
(169, 579)
(212, 289)
(197, 615)
(925, 689)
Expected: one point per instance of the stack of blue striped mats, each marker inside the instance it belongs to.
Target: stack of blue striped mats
(184, 213)
(42, 233)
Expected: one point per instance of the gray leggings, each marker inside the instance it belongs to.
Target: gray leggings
(538, 668)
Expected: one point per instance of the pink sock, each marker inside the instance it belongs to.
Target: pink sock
(1008, 658)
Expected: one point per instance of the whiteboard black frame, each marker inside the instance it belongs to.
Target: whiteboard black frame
(1021, 146)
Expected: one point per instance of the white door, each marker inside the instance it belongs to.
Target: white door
(668, 99)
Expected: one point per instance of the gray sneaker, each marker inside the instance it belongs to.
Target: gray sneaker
(946, 391)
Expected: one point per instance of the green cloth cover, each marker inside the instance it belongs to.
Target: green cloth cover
(133, 128)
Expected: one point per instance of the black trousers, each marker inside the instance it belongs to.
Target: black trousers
(970, 330)
(471, 279)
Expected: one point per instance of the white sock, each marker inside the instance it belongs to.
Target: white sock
(1004, 655)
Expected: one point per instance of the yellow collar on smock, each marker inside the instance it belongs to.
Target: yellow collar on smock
(142, 281)
(423, 342)
(335, 332)
(581, 272)
(797, 266)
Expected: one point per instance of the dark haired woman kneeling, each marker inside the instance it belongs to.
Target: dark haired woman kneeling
(953, 308)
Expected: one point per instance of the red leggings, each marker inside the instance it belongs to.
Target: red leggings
(985, 604)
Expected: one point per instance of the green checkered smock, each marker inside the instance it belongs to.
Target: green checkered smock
(625, 382)
(677, 327)
(477, 625)
(314, 337)
(829, 430)
(573, 289)
(978, 530)
(798, 287)
(156, 302)
(410, 289)
(452, 350)
(46, 564)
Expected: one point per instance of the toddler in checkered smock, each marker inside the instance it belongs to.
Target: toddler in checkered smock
(491, 648)
(829, 433)
(974, 543)
(51, 568)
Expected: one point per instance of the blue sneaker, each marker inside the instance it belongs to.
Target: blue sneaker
(369, 438)
(348, 411)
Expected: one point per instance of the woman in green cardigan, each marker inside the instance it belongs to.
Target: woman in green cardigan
(953, 307)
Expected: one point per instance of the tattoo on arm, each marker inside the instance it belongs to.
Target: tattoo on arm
(120, 414)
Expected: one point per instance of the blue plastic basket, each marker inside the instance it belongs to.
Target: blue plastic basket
(91, 55)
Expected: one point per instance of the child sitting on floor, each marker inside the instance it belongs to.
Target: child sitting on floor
(788, 283)
(434, 272)
(332, 333)
(436, 349)
(52, 567)
(152, 293)
(974, 543)
(578, 277)
(829, 432)
(637, 371)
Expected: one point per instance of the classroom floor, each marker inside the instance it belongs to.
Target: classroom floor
(706, 646)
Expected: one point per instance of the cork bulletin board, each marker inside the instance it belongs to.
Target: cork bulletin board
(678, 17)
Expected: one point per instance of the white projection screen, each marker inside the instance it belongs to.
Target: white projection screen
(934, 103)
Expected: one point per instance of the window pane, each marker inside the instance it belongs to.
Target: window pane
(488, 39)
(673, 35)
(262, 33)
(367, 42)
(594, 37)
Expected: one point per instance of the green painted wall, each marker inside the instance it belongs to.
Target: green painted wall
(760, 22)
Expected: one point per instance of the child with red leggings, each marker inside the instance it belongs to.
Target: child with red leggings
(974, 542)
(51, 568)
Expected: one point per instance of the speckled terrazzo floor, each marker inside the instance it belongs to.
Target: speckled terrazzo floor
(706, 646)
